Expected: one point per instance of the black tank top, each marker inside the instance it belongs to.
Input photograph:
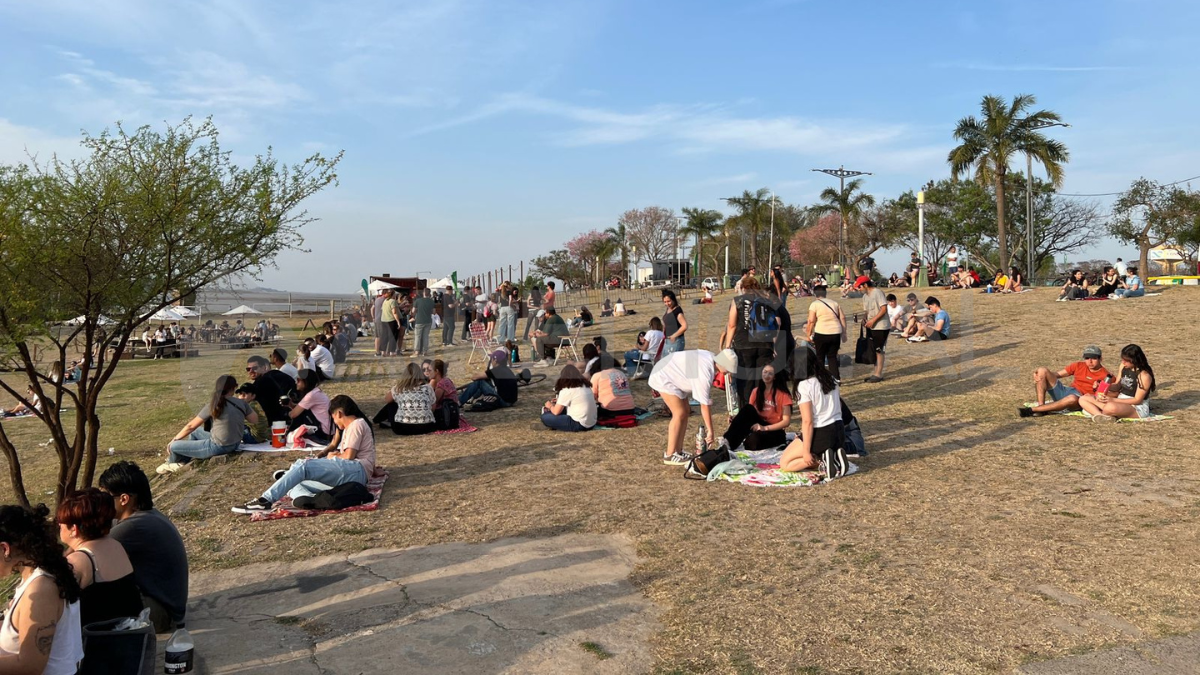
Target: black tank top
(105, 600)
(1129, 382)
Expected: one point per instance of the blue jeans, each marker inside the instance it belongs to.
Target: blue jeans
(563, 422)
(477, 388)
(1061, 391)
(330, 471)
(506, 327)
(673, 346)
(632, 358)
(199, 445)
(1126, 293)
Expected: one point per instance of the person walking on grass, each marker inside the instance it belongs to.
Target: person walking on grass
(423, 322)
(1087, 375)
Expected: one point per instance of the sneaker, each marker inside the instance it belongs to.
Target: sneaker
(168, 467)
(544, 363)
(677, 459)
(1025, 412)
(278, 474)
(873, 379)
(1103, 418)
(259, 505)
(918, 338)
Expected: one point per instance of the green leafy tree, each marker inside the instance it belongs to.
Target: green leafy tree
(1150, 214)
(703, 225)
(849, 202)
(753, 215)
(621, 235)
(557, 265)
(987, 145)
(144, 219)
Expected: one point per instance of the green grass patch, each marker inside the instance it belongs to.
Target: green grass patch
(595, 650)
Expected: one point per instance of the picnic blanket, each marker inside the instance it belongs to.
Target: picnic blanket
(1080, 413)
(266, 446)
(760, 468)
(284, 508)
(625, 421)
(19, 416)
(464, 427)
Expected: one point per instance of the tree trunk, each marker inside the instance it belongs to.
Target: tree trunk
(1144, 259)
(1001, 229)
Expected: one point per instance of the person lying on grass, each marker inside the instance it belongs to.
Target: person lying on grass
(1087, 374)
(1134, 384)
(933, 324)
(681, 376)
(574, 406)
(349, 458)
(762, 424)
(821, 444)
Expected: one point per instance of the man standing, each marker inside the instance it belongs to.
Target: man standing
(154, 547)
(449, 312)
(1087, 375)
(875, 308)
(422, 321)
(467, 303)
(266, 386)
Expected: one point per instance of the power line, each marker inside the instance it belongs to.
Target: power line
(1111, 194)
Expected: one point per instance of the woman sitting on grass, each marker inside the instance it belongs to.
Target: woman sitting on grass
(443, 387)
(1131, 287)
(610, 385)
(313, 408)
(229, 416)
(1109, 282)
(1075, 288)
(101, 565)
(349, 458)
(574, 407)
(408, 408)
(582, 316)
(1134, 384)
(821, 430)
(763, 424)
(1015, 281)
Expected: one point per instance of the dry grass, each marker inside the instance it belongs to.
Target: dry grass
(973, 541)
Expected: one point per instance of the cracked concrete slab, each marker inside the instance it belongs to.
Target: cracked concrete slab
(513, 605)
(1178, 655)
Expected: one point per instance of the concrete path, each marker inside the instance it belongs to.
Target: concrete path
(1173, 656)
(514, 605)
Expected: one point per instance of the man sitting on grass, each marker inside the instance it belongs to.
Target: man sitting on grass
(1087, 374)
(933, 324)
(498, 380)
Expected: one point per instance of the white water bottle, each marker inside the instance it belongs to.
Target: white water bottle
(180, 652)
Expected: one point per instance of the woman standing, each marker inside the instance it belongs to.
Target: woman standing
(229, 416)
(683, 376)
(826, 331)
(101, 565)
(821, 430)
(408, 407)
(389, 316)
(40, 631)
(507, 316)
(535, 303)
(748, 332)
(574, 406)
(674, 323)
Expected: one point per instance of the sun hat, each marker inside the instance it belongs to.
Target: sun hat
(1091, 352)
(727, 360)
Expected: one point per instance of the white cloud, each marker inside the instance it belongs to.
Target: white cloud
(18, 143)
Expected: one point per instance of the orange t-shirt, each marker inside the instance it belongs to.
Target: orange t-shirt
(772, 409)
(1085, 380)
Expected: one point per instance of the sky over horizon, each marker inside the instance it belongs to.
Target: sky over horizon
(479, 134)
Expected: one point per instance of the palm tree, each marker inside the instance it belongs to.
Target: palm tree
(702, 224)
(752, 208)
(605, 249)
(988, 143)
(849, 201)
(618, 233)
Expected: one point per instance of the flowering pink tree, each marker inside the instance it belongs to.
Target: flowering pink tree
(816, 245)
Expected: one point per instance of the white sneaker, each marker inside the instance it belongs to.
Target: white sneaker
(168, 467)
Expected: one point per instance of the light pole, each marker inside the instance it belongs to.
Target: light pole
(771, 245)
(922, 276)
(842, 174)
(1029, 199)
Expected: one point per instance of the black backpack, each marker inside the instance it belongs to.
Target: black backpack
(448, 415)
(762, 320)
(338, 497)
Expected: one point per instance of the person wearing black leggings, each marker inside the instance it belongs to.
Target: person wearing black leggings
(826, 330)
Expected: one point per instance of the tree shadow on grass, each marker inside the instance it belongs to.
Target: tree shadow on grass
(466, 467)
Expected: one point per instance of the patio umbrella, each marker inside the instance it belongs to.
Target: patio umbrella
(241, 310)
(167, 314)
(184, 311)
(379, 285)
(81, 319)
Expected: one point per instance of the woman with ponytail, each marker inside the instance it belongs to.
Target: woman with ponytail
(820, 444)
(229, 416)
(40, 631)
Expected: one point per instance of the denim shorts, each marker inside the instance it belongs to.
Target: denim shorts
(1061, 391)
(1142, 409)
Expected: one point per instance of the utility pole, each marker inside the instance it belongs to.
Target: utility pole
(842, 174)
(1029, 201)
(771, 246)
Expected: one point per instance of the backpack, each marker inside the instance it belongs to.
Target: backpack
(336, 498)
(762, 320)
(448, 415)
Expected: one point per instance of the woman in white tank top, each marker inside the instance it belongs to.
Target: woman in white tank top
(40, 631)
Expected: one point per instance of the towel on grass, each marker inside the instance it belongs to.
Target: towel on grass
(284, 508)
(760, 468)
(464, 427)
(625, 421)
(1080, 413)
(266, 446)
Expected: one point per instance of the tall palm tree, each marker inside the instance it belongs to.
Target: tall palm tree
(618, 233)
(988, 143)
(605, 249)
(753, 208)
(849, 201)
(702, 224)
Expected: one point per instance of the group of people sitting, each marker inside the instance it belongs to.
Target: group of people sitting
(107, 555)
(1104, 396)
(1110, 284)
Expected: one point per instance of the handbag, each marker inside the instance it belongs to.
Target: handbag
(699, 466)
(448, 414)
(864, 349)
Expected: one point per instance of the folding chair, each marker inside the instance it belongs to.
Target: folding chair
(643, 361)
(568, 342)
(480, 341)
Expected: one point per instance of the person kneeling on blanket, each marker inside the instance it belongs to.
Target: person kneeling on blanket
(762, 424)
(349, 458)
(821, 444)
(574, 407)
(680, 376)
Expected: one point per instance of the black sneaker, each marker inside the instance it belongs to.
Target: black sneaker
(840, 463)
(1025, 412)
(259, 505)
(278, 474)
(827, 460)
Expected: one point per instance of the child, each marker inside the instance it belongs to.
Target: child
(514, 352)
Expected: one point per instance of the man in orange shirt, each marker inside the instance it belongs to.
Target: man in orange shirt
(1087, 374)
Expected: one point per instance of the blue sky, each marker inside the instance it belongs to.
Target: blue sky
(481, 133)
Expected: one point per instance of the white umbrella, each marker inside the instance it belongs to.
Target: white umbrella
(380, 285)
(185, 311)
(167, 314)
(81, 319)
(240, 310)
(441, 284)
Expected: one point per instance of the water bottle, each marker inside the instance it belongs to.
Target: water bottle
(512, 356)
(701, 440)
(180, 652)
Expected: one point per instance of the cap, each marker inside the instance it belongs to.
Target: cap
(861, 281)
(499, 355)
(727, 360)
(541, 313)
(1091, 352)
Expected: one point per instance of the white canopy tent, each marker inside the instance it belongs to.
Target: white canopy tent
(185, 311)
(167, 314)
(441, 284)
(378, 285)
(241, 310)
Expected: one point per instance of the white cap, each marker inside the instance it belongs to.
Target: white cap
(727, 360)
(541, 313)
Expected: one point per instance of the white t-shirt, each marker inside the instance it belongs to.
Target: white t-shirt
(1122, 268)
(895, 311)
(580, 404)
(685, 374)
(654, 338)
(322, 360)
(827, 408)
(289, 370)
(952, 259)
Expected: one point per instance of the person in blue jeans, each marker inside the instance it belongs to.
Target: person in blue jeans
(1131, 287)
(574, 406)
(498, 380)
(229, 416)
(349, 458)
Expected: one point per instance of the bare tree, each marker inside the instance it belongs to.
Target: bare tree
(651, 230)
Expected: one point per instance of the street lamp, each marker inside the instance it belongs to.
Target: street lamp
(771, 245)
(1029, 199)
(842, 174)
(922, 276)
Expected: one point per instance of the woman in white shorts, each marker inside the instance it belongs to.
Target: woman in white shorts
(681, 376)
(1134, 384)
